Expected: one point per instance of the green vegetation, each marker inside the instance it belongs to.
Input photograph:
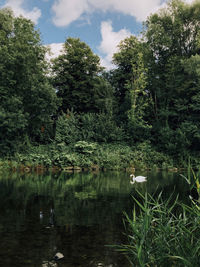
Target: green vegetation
(87, 155)
(163, 233)
(143, 113)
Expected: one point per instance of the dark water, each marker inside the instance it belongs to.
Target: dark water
(76, 214)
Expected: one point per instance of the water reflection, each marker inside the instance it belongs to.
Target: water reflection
(76, 214)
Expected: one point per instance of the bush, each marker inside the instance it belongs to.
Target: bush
(106, 129)
(173, 142)
(145, 155)
(67, 128)
(87, 153)
(114, 156)
(64, 159)
(90, 127)
(100, 127)
(85, 147)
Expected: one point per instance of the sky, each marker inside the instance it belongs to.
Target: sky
(101, 24)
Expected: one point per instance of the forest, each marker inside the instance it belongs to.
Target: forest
(145, 112)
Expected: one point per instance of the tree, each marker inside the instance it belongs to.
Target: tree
(189, 109)
(77, 78)
(130, 86)
(124, 60)
(172, 37)
(27, 98)
(138, 126)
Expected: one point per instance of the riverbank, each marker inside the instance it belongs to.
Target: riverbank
(90, 156)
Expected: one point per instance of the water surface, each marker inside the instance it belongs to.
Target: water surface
(77, 214)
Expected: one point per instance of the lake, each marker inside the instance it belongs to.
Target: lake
(76, 214)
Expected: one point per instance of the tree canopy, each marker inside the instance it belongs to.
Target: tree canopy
(172, 39)
(77, 78)
(27, 97)
(152, 95)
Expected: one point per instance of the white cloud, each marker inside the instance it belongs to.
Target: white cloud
(110, 41)
(67, 11)
(108, 46)
(55, 50)
(189, 1)
(138, 9)
(17, 7)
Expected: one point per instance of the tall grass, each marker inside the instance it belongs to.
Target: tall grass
(194, 184)
(162, 233)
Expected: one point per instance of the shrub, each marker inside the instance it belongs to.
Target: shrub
(106, 129)
(145, 155)
(100, 127)
(64, 159)
(67, 128)
(85, 147)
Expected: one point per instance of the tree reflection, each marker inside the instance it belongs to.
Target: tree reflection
(76, 214)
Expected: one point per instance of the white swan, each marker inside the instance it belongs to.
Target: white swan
(139, 179)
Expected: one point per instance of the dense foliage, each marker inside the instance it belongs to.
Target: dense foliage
(152, 97)
(27, 98)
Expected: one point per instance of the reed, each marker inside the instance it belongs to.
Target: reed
(162, 232)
